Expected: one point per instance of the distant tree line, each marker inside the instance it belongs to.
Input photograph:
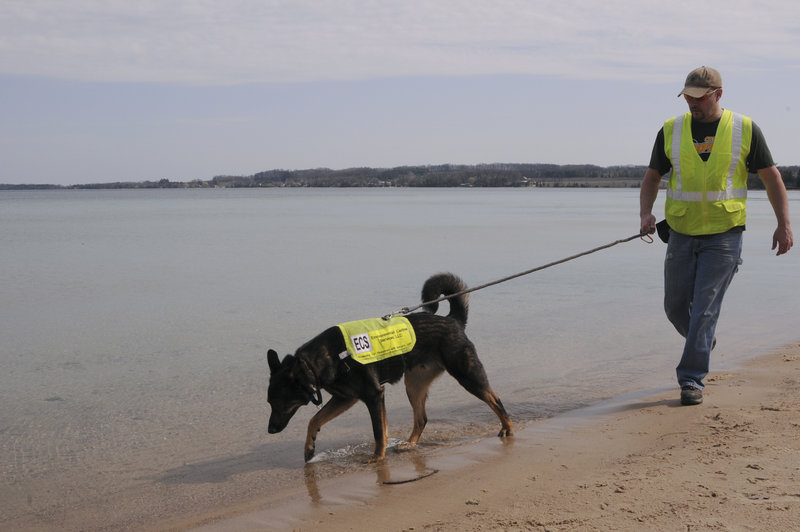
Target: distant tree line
(445, 175)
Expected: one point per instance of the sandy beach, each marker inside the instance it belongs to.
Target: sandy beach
(632, 463)
(732, 463)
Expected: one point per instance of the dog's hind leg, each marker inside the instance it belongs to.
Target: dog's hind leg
(487, 395)
(418, 381)
(470, 374)
(334, 407)
(494, 402)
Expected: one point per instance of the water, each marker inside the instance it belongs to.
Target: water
(135, 324)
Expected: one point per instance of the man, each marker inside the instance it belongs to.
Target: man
(710, 151)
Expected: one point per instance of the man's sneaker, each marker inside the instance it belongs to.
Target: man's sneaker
(691, 395)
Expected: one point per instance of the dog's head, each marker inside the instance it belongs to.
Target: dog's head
(292, 384)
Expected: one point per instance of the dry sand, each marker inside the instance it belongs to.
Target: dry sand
(732, 463)
(636, 463)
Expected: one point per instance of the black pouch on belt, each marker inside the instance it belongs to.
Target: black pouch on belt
(662, 228)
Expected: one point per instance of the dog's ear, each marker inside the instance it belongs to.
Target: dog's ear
(274, 361)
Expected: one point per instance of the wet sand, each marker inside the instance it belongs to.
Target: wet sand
(732, 463)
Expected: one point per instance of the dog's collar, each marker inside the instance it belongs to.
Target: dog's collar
(316, 391)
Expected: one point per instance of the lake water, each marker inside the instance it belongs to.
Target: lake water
(135, 326)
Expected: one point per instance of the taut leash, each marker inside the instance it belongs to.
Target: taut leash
(406, 310)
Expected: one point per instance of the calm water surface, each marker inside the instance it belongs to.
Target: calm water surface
(135, 324)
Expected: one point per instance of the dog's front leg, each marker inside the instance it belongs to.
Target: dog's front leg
(334, 407)
(380, 427)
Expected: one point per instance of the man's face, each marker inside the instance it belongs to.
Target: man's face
(705, 108)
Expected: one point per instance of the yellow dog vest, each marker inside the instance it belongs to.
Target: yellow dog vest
(377, 339)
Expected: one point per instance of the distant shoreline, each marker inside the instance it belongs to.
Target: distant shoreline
(496, 175)
(544, 183)
(444, 175)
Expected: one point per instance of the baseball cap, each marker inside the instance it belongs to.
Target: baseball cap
(700, 81)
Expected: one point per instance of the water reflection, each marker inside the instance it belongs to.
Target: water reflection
(386, 474)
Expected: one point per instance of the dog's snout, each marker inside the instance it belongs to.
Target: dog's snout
(274, 427)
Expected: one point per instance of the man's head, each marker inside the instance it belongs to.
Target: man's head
(703, 90)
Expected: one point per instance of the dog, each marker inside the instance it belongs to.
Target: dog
(322, 363)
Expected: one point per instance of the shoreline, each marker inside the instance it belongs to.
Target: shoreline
(636, 461)
(625, 464)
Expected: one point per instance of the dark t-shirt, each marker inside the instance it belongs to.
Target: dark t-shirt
(703, 134)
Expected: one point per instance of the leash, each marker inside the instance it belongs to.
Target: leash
(646, 237)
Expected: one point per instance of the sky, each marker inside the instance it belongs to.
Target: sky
(95, 91)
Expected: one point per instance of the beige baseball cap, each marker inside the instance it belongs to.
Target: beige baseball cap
(700, 81)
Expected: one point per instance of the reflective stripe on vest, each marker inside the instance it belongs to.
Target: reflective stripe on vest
(712, 195)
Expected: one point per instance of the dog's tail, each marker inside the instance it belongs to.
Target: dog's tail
(446, 284)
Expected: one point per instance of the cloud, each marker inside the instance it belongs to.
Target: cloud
(243, 41)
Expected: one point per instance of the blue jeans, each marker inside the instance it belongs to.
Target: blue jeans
(697, 272)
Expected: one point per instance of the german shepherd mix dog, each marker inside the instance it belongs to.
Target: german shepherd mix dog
(441, 344)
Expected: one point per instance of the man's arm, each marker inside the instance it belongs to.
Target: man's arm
(782, 238)
(647, 197)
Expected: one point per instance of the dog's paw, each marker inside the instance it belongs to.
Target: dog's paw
(504, 433)
(308, 454)
(404, 447)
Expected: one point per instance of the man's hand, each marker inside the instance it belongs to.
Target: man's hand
(782, 239)
(648, 224)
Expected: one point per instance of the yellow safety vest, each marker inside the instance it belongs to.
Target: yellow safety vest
(707, 197)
